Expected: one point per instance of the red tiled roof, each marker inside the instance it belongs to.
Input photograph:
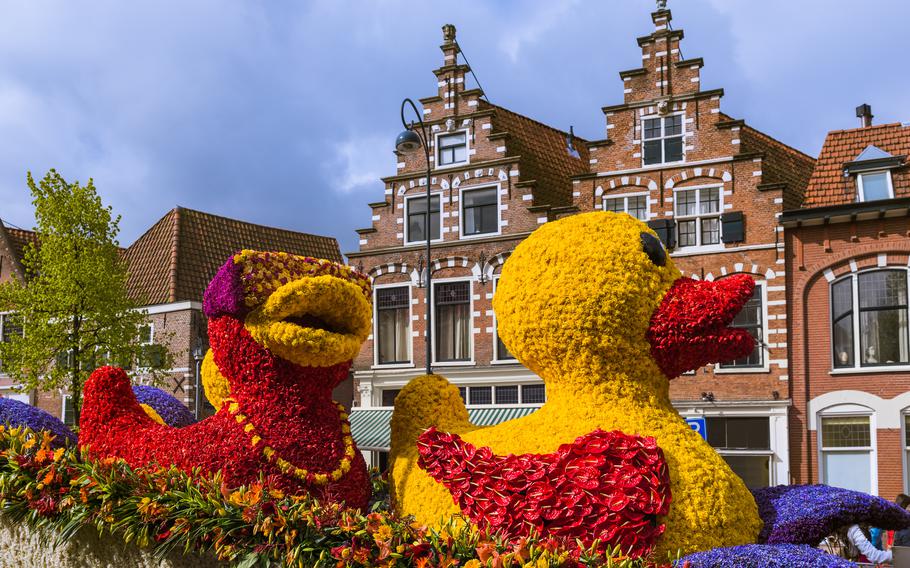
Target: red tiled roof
(544, 155)
(828, 186)
(18, 238)
(175, 259)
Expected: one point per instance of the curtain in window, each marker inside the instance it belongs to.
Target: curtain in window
(453, 321)
(393, 328)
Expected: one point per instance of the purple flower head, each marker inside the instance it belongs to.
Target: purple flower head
(15, 413)
(224, 295)
(168, 408)
(764, 556)
(805, 514)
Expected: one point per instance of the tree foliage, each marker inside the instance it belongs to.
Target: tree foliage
(73, 309)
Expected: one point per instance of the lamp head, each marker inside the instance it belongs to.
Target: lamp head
(408, 141)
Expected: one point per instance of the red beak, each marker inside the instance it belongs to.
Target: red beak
(690, 327)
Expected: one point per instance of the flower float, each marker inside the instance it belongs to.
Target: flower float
(19, 414)
(595, 307)
(162, 407)
(283, 330)
(764, 556)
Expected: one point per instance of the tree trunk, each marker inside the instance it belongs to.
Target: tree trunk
(76, 386)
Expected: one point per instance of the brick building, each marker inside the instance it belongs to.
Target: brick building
(711, 186)
(847, 276)
(170, 266)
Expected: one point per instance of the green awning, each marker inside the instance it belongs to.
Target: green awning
(371, 426)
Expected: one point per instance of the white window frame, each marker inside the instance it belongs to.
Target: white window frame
(770, 453)
(859, 183)
(407, 228)
(719, 369)
(519, 384)
(376, 363)
(461, 192)
(905, 458)
(63, 400)
(848, 411)
(469, 362)
(467, 149)
(151, 326)
(496, 360)
(625, 203)
(663, 137)
(698, 246)
(857, 353)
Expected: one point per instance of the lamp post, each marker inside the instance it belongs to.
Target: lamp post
(409, 142)
(198, 356)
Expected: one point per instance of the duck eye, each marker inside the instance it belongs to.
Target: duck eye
(652, 247)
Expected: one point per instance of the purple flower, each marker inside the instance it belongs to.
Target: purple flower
(805, 514)
(168, 408)
(764, 556)
(224, 295)
(15, 413)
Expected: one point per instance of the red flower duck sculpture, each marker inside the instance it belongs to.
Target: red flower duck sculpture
(283, 331)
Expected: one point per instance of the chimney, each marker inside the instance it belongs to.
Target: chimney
(864, 112)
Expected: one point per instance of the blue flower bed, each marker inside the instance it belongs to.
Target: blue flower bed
(805, 514)
(168, 408)
(15, 413)
(764, 556)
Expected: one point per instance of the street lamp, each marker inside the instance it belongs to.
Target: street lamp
(198, 355)
(409, 142)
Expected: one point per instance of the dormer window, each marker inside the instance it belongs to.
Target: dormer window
(873, 186)
(451, 149)
(662, 140)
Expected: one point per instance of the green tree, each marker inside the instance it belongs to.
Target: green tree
(73, 308)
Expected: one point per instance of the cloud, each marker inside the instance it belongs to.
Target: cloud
(531, 30)
(360, 161)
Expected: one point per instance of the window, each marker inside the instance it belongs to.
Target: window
(874, 186)
(751, 318)
(480, 211)
(745, 444)
(634, 205)
(697, 213)
(452, 149)
(880, 335)
(507, 394)
(416, 208)
(146, 334)
(501, 351)
(393, 325)
(663, 140)
(452, 301)
(907, 449)
(846, 448)
(388, 396)
(69, 413)
(533, 394)
(10, 326)
(480, 395)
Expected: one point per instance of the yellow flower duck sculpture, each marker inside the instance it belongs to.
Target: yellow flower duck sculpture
(594, 306)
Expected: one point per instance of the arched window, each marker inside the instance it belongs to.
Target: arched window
(869, 319)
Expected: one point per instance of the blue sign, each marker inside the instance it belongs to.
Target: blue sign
(698, 424)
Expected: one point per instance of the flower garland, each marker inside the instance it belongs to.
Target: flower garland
(344, 464)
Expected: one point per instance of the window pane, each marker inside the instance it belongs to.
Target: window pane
(480, 211)
(12, 326)
(391, 298)
(417, 218)
(850, 470)
(533, 394)
(617, 205)
(463, 391)
(755, 471)
(842, 297)
(638, 207)
(843, 341)
(739, 433)
(453, 321)
(750, 318)
(673, 125)
(710, 231)
(846, 432)
(685, 203)
(883, 289)
(452, 149)
(652, 128)
(673, 149)
(452, 140)
(875, 186)
(507, 395)
(686, 236)
(388, 397)
(652, 152)
(710, 201)
(502, 352)
(393, 331)
(883, 337)
(907, 430)
(481, 395)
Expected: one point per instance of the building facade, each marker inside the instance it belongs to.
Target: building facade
(848, 250)
(711, 186)
(170, 266)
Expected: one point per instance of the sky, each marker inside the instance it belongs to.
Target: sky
(285, 112)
